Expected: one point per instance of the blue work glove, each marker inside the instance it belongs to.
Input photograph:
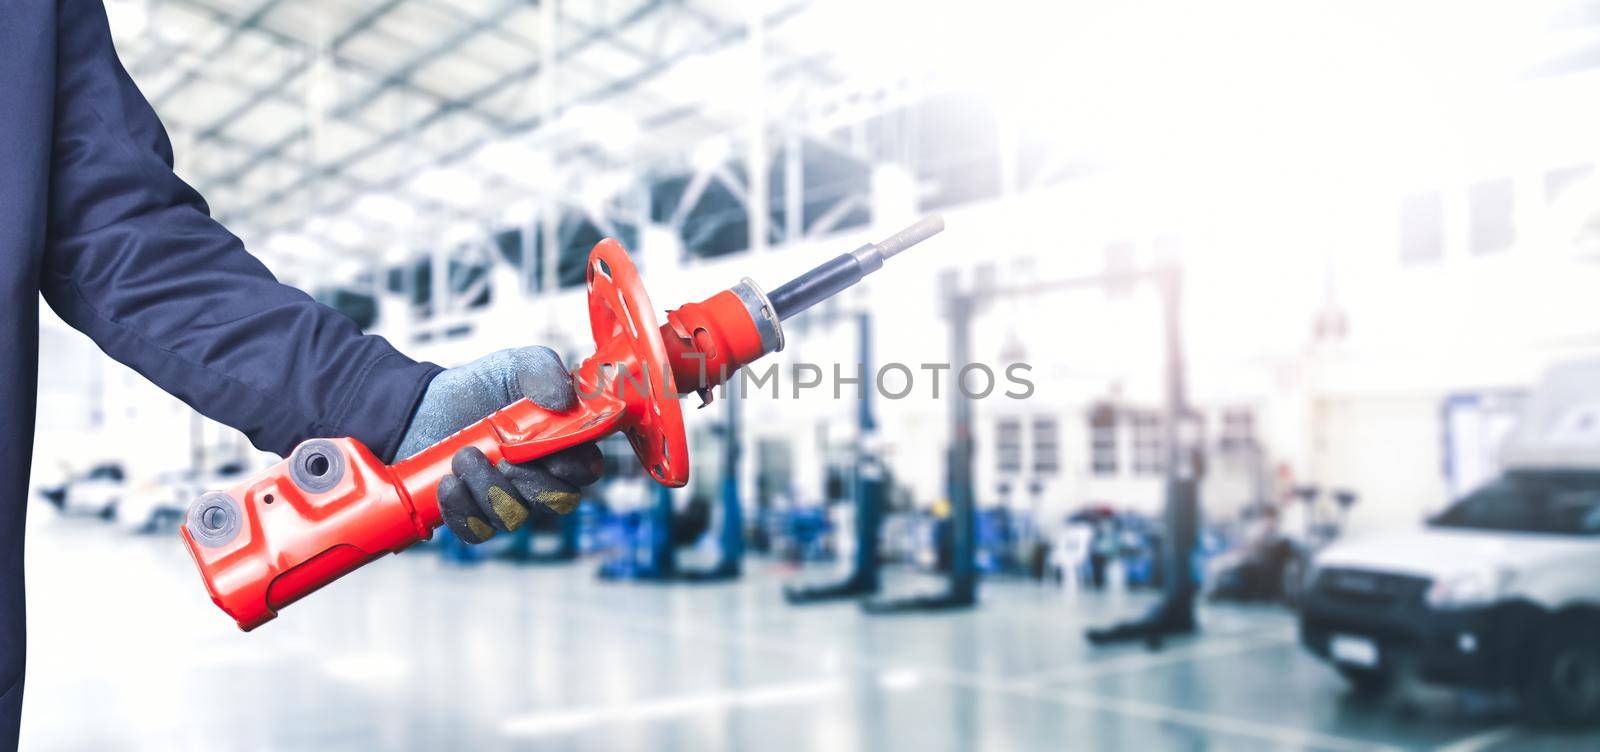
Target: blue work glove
(479, 499)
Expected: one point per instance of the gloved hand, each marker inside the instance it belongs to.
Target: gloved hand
(478, 499)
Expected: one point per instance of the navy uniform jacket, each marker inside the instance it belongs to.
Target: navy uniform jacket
(92, 216)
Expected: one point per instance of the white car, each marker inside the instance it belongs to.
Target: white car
(156, 504)
(160, 504)
(1502, 590)
(96, 492)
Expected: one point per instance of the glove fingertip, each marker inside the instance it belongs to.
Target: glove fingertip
(548, 492)
(460, 512)
(559, 501)
(468, 460)
(544, 379)
(480, 529)
(505, 507)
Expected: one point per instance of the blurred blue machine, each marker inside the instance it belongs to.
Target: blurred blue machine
(566, 528)
(869, 491)
(644, 545)
(961, 576)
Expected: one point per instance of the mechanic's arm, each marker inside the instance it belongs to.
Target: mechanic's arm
(135, 261)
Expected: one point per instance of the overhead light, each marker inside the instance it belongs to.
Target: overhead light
(321, 86)
(718, 81)
(519, 211)
(711, 153)
(292, 244)
(600, 188)
(462, 233)
(449, 185)
(347, 269)
(173, 33)
(386, 210)
(345, 232)
(609, 128)
(128, 18)
(514, 160)
(618, 135)
(341, 231)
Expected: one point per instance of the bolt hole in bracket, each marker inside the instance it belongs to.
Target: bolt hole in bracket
(214, 519)
(316, 466)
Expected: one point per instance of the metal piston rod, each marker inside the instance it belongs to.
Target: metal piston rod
(846, 269)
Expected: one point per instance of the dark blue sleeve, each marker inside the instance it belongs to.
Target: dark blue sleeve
(134, 260)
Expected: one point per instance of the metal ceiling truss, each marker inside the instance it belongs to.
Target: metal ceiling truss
(399, 134)
(816, 128)
(642, 75)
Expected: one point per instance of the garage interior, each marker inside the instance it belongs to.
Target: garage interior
(1285, 310)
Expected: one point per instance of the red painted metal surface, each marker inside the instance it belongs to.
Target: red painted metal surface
(707, 341)
(291, 541)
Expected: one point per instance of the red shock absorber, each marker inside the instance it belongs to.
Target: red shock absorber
(333, 506)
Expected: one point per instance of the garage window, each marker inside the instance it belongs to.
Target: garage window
(1103, 441)
(1238, 429)
(1148, 443)
(1008, 445)
(1046, 447)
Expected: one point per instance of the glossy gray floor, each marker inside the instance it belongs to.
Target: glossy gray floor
(127, 653)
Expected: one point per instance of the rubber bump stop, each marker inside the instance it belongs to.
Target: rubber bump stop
(214, 519)
(316, 466)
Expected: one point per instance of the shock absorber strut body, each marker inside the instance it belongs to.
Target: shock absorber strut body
(332, 506)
